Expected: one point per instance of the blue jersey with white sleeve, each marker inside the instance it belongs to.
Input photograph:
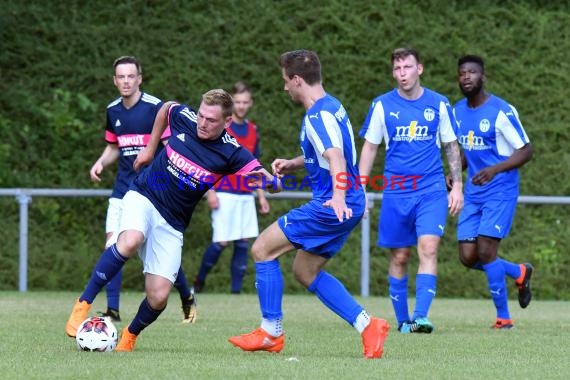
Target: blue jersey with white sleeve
(188, 166)
(489, 134)
(326, 125)
(413, 131)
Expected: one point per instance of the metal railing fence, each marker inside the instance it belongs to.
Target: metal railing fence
(24, 198)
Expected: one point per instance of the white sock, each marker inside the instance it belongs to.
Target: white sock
(362, 321)
(273, 328)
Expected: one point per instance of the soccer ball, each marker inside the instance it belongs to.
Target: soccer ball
(96, 334)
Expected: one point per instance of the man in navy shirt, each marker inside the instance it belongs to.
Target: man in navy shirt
(159, 205)
(129, 124)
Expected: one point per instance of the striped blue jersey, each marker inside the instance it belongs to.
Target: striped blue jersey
(130, 129)
(188, 166)
(326, 125)
(412, 131)
(490, 134)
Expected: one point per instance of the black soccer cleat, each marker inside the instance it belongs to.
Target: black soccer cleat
(111, 313)
(525, 294)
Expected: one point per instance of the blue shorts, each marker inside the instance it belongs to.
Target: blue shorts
(316, 229)
(404, 219)
(492, 218)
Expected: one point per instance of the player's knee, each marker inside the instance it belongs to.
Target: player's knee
(302, 276)
(467, 260)
(157, 299)
(258, 251)
(129, 243)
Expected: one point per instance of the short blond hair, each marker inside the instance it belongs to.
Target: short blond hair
(219, 97)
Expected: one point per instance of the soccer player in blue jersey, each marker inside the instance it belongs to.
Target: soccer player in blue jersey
(234, 217)
(162, 197)
(495, 145)
(413, 121)
(129, 124)
(318, 229)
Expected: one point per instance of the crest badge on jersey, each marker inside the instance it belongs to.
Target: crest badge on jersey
(484, 125)
(429, 114)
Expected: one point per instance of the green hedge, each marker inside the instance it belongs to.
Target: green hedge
(55, 82)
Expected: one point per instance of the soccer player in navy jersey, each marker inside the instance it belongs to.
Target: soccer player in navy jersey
(234, 217)
(159, 205)
(495, 145)
(318, 229)
(414, 122)
(129, 124)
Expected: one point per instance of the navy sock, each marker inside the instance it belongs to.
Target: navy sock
(239, 264)
(181, 284)
(398, 289)
(109, 264)
(269, 284)
(144, 317)
(209, 259)
(334, 295)
(114, 291)
(425, 292)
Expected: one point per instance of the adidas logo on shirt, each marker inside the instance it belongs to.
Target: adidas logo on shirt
(118, 123)
(180, 137)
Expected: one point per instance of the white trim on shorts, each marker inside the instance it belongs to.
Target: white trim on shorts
(235, 218)
(161, 252)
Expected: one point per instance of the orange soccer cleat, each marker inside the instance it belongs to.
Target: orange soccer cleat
(127, 342)
(258, 340)
(503, 324)
(78, 315)
(373, 338)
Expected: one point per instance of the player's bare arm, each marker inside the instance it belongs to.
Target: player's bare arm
(282, 166)
(337, 165)
(146, 155)
(264, 207)
(516, 160)
(455, 168)
(110, 154)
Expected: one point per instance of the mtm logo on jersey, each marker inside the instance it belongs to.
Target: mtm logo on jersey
(472, 142)
(412, 132)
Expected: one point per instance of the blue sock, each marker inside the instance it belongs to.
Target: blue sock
(334, 295)
(511, 269)
(144, 317)
(269, 284)
(181, 284)
(495, 272)
(114, 291)
(109, 264)
(239, 264)
(210, 258)
(426, 286)
(398, 289)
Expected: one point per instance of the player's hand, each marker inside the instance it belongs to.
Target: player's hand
(340, 208)
(96, 171)
(144, 158)
(213, 200)
(484, 176)
(280, 167)
(455, 200)
(261, 179)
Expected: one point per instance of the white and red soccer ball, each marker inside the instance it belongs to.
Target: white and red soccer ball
(96, 334)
